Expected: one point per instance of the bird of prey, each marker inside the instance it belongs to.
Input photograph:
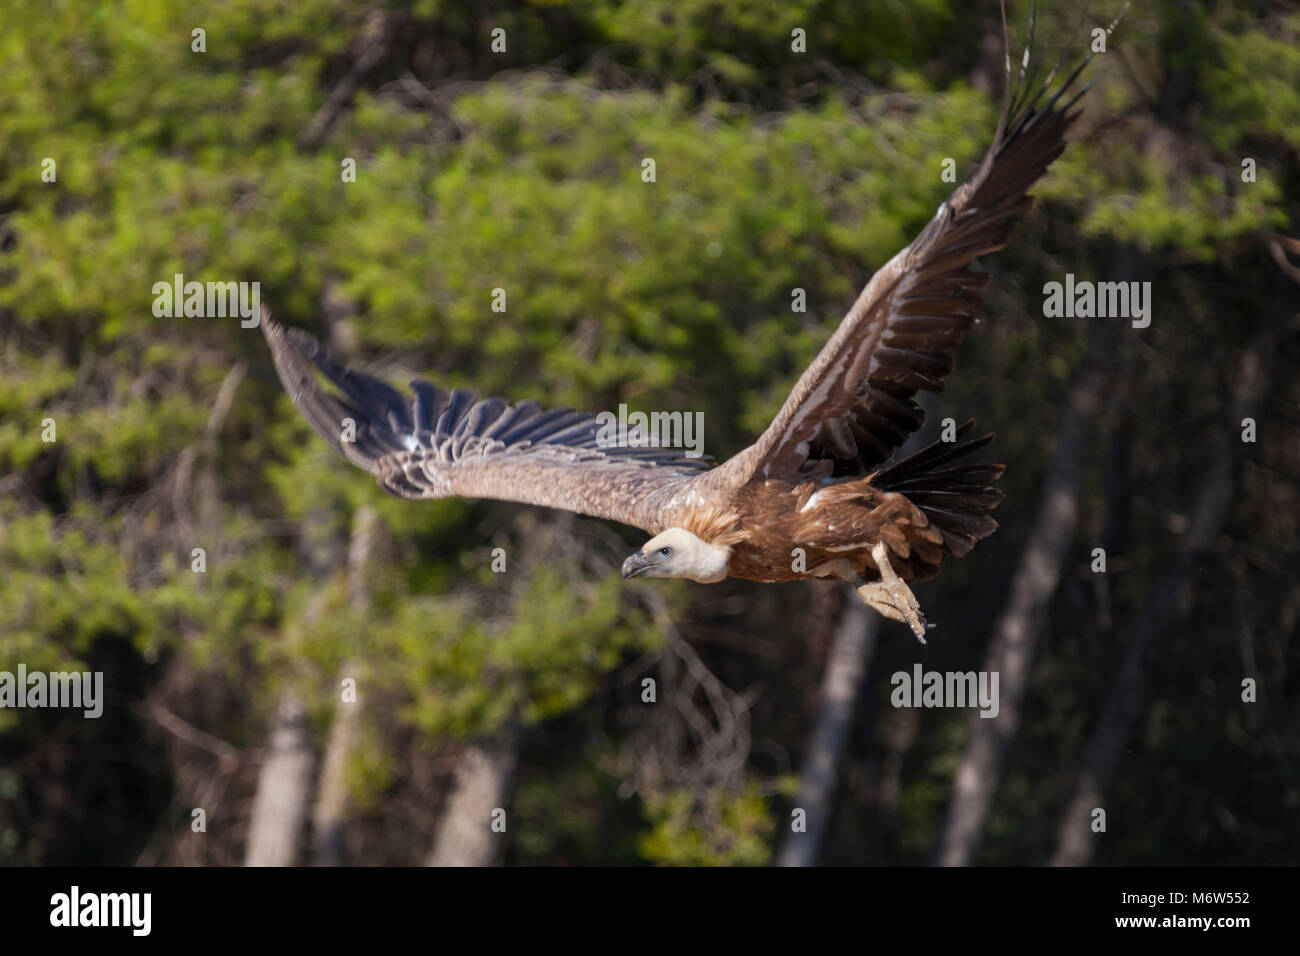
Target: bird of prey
(817, 494)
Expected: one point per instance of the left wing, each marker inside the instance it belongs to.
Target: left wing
(439, 444)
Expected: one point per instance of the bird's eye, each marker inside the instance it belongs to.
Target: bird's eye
(665, 551)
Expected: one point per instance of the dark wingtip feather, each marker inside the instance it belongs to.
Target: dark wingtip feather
(299, 360)
(434, 423)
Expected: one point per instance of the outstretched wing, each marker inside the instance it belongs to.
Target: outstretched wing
(440, 444)
(852, 408)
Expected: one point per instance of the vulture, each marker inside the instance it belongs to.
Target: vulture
(821, 493)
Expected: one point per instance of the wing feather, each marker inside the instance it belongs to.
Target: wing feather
(852, 408)
(440, 444)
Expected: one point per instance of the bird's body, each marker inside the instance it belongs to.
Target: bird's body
(819, 494)
(779, 531)
(832, 529)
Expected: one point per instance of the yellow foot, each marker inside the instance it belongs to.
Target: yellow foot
(897, 605)
(892, 597)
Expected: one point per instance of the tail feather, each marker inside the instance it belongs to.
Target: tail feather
(956, 500)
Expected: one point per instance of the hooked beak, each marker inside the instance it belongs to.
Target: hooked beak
(636, 565)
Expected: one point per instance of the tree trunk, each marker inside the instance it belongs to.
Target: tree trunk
(1011, 651)
(484, 780)
(851, 647)
(329, 838)
(283, 789)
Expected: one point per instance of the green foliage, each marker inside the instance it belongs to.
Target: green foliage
(523, 171)
(466, 669)
(738, 831)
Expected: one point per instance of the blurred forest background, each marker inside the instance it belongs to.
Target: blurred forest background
(775, 170)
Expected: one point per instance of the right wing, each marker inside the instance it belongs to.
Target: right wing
(852, 409)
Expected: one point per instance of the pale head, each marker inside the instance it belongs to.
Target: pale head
(676, 553)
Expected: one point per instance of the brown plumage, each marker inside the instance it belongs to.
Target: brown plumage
(816, 494)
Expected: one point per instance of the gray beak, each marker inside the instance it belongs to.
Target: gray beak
(636, 565)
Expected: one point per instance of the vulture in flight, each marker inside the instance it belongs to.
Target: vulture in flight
(818, 494)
